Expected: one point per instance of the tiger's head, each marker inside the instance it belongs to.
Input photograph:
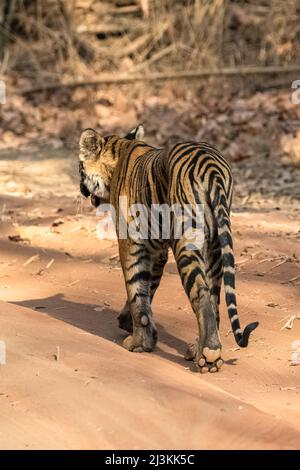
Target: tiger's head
(97, 161)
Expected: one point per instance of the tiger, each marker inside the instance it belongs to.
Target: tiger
(187, 173)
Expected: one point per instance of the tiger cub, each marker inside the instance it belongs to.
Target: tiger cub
(189, 174)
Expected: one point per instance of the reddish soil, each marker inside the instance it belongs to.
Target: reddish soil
(69, 384)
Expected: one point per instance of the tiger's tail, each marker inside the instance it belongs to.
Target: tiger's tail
(221, 214)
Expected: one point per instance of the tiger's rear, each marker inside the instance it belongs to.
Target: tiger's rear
(200, 175)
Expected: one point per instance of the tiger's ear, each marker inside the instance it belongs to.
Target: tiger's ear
(90, 145)
(136, 133)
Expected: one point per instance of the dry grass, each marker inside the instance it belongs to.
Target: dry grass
(82, 38)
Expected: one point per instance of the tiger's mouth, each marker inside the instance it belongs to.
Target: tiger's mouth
(95, 200)
(89, 188)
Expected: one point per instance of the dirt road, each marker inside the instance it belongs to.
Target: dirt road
(69, 384)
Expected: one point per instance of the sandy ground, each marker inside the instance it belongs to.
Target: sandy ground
(69, 384)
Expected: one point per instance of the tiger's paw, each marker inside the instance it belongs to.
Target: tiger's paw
(143, 339)
(205, 365)
(208, 361)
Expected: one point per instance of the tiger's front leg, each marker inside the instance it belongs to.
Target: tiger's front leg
(136, 265)
(157, 267)
(124, 318)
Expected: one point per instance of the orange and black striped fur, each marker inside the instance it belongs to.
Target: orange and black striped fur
(188, 173)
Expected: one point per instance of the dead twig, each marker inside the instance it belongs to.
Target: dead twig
(289, 324)
(31, 260)
(276, 265)
(50, 263)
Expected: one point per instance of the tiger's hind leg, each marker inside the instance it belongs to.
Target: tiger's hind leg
(206, 352)
(214, 275)
(157, 268)
(215, 291)
(136, 264)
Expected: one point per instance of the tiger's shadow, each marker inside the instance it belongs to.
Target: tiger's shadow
(102, 321)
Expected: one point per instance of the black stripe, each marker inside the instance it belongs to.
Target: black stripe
(132, 147)
(139, 251)
(228, 259)
(224, 221)
(215, 290)
(225, 240)
(235, 325)
(138, 277)
(232, 311)
(186, 260)
(189, 150)
(191, 279)
(217, 271)
(230, 298)
(136, 263)
(139, 295)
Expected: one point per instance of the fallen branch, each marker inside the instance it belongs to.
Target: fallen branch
(193, 74)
